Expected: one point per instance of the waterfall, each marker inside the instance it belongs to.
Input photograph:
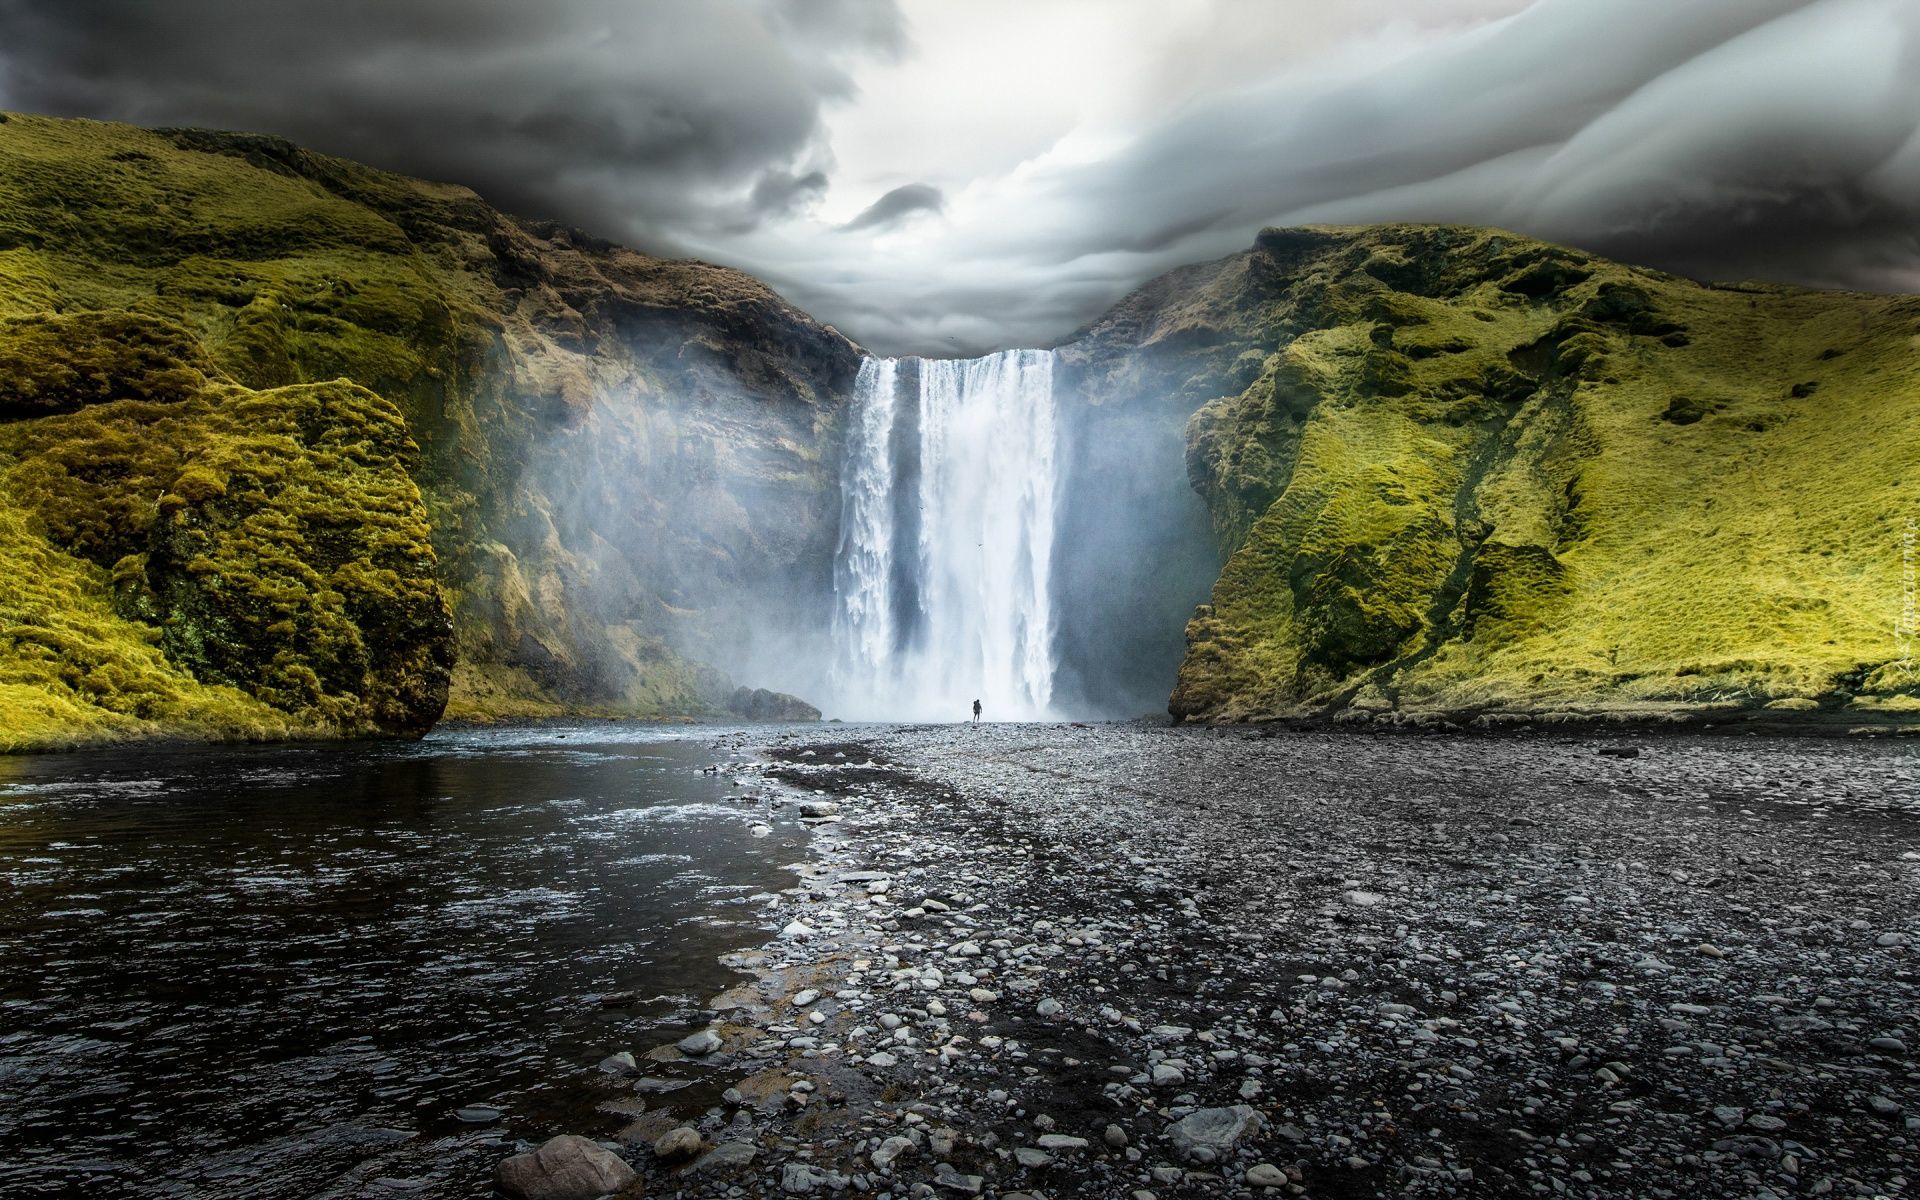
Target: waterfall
(942, 578)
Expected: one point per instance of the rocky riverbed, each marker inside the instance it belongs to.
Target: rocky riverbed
(1127, 961)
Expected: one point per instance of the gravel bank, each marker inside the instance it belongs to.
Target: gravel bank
(1122, 961)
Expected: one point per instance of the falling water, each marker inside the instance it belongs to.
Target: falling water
(946, 542)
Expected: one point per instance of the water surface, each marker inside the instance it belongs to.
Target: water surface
(280, 971)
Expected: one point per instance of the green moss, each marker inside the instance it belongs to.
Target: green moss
(1529, 478)
(269, 542)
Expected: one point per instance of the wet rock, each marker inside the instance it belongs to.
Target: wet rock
(654, 1086)
(1213, 1134)
(800, 1179)
(1266, 1175)
(699, 1045)
(759, 704)
(568, 1167)
(890, 1152)
(724, 1158)
(676, 1145)
(620, 1064)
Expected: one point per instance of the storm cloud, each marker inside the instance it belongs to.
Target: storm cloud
(897, 205)
(1773, 139)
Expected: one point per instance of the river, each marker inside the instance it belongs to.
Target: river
(285, 971)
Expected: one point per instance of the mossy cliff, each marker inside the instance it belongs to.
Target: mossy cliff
(1459, 472)
(292, 446)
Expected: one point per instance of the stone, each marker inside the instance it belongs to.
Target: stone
(798, 931)
(568, 1167)
(805, 997)
(1049, 1007)
(1029, 1157)
(1213, 1134)
(799, 1179)
(1168, 1075)
(759, 704)
(1266, 1175)
(891, 1151)
(1766, 1123)
(699, 1045)
(655, 1086)
(1888, 1045)
(620, 1064)
(947, 1177)
(1115, 1137)
(1060, 1141)
(1883, 1106)
(727, 1156)
(677, 1144)
(817, 810)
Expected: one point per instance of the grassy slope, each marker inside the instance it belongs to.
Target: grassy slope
(1463, 471)
(230, 269)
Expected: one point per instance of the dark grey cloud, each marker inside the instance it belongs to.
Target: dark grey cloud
(1723, 138)
(647, 119)
(897, 205)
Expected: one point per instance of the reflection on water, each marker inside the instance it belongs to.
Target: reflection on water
(280, 971)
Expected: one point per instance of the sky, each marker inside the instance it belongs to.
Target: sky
(942, 177)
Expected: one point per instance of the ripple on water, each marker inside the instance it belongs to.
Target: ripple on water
(270, 972)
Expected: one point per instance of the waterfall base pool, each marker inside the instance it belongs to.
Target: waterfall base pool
(276, 972)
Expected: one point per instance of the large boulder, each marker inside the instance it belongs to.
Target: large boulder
(1211, 1135)
(759, 704)
(568, 1167)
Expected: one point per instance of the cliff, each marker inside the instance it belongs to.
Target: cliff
(1461, 474)
(291, 446)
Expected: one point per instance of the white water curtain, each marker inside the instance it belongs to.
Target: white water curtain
(963, 610)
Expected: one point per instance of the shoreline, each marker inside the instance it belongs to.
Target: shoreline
(1053, 961)
(1679, 720)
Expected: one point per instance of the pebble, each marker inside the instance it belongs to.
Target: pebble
(1266, 1175)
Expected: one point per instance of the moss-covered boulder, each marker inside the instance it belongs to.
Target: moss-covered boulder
(1457, 471)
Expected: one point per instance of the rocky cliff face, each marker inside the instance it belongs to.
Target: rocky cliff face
(290, 445)
(1459, 472)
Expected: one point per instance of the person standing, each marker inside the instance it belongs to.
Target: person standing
(976, 712)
